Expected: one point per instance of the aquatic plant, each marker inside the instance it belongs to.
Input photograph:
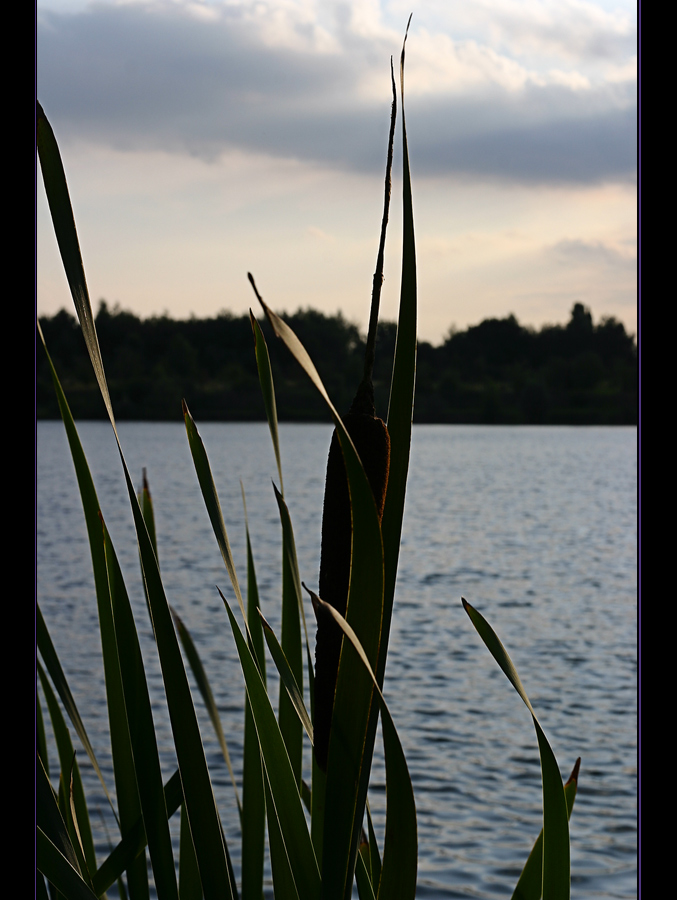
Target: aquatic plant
(321, 838)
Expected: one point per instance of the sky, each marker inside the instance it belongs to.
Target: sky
(203, 139)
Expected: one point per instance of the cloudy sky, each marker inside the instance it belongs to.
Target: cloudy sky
(206, 138)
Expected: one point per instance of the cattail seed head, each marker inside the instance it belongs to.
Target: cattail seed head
(370, 437)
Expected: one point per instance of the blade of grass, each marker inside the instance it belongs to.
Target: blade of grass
(192, 655)
(201, 808)
(284, 800)
(64, 747)
(287, 677)
(293, 576)
(40, 886)
(211, 498)
(283, 879)
(190, 887)
(289, 545)
(61, 212)
(146, 504)
(292, 609)
(53, 666)
(530, 884)
(375, 856)
(398, 870)
(40, 739)
(50, 821)
(556, 859)
(73, 825)
(205, 690)
(59, 871)
(130, 847)
(268, 390)
(141, 729)
(253, 796)
(365, 887)
(292, 603)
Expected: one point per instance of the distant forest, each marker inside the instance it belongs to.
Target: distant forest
(496, 372)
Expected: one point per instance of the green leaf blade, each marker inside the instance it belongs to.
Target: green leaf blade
(69, 768)
(147, 770)
(288, 679)
(530, 884)
(285, 795)
(253, 791)
(556, 848)
(399, 866)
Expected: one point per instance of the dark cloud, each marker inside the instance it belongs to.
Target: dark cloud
(143, 77)
(586, 147)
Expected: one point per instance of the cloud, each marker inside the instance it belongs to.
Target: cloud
(573, 30)
(310, 82)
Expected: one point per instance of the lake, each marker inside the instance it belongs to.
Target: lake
(535, 526)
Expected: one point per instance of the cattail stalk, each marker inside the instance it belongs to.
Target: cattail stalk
(369, 434)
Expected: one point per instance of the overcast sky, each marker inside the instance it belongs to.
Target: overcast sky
(206, 138)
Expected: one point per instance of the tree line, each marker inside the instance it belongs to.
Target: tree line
(496, 372)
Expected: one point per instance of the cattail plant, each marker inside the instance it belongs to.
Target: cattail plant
(362, 522)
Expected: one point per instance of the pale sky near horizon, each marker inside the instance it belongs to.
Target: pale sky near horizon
(206, 138)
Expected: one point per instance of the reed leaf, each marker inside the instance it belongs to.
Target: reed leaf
(283, 879)
(141, 730)
(284, 800)
(287, 678)
(71, 813)
(129, 809)
(363, 876)
(292, 610)
(268, 390)
(59, 871)
(530, 884)
(130, 847)
(211, 499)
(292, 605)
(398, 870)
(69, 771)
(61, 212)
(253, 792)
(56, 673)
(203, 816)
(192, 655)
(56, 858)
(40, 738)
(556, 858)
(374, 855)
(204, 687)
(190, 886)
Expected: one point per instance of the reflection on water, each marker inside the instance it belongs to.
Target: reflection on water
(536, 527)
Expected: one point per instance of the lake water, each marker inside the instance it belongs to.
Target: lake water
(535, 526)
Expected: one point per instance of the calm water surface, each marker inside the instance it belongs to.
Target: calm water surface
(536, 527)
